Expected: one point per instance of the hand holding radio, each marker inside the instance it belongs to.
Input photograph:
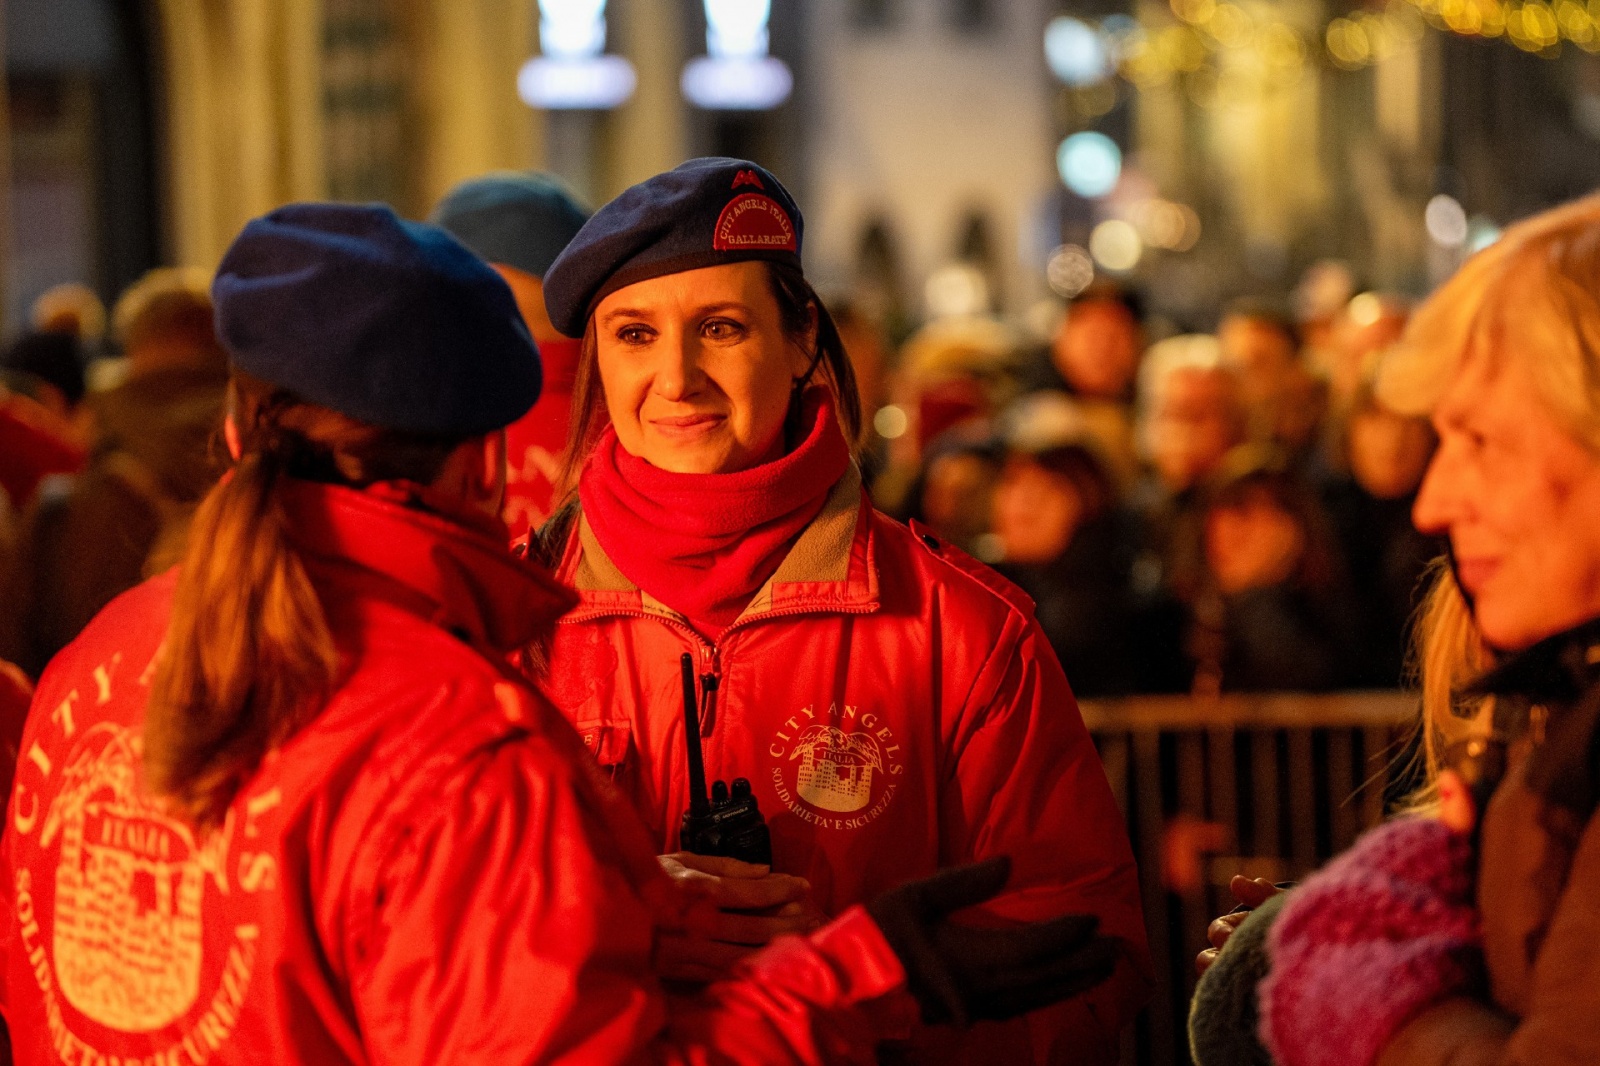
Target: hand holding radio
(727, 861)
(749, 906)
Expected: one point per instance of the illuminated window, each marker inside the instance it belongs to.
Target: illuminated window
(573, 73)
(737, 74)
(81, 192)
(572, 29)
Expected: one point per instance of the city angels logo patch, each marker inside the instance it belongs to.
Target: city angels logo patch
(838, 771)
(754, 221)
(112, 894)
(129, 886)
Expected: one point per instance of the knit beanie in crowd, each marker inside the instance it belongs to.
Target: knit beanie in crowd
(513, 219)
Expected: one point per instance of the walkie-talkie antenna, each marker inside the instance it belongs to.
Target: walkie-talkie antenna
(699, 805)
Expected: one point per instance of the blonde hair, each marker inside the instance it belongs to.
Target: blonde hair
(1447, 653)
(1541, 283)
(248, 650)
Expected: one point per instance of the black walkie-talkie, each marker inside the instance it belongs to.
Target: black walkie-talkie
(726, 824)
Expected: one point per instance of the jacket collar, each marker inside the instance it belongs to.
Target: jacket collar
(1550, 693)
(434, 558)
(1558, 669)
(831, 568)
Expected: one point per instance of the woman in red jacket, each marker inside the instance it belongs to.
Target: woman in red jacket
(893, 703)
(288, 804)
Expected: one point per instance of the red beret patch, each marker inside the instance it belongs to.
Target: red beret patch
(753, 221)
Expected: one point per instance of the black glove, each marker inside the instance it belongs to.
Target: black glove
(962, 974)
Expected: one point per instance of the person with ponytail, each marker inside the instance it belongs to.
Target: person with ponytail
(893, 703)
(289, 802)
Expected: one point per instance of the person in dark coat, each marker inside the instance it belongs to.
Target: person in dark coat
(1370, 507)
(1192, 415)
(92, 536)
(1066, 541)
(1502, 970)
(1272, 612)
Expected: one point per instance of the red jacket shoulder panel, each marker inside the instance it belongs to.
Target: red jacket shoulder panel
(984, 575)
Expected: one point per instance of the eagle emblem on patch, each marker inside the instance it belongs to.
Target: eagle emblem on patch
(838, 770)
(753, 221)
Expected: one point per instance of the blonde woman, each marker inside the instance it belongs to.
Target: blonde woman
(1494, 959)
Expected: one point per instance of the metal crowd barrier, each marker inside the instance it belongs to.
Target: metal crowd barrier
(1264, 785)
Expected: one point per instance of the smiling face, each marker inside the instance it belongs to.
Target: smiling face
(697, 369)
(1519, 497)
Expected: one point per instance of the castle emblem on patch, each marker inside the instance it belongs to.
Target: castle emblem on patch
(129, 888)
(752, 220)
(836, 765)
(836, 768)
(116, 898)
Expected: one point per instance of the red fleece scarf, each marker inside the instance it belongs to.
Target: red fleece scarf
(704, 544)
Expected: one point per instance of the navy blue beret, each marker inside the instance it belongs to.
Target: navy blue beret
(519, 220)
(390, 322)
(705, 212)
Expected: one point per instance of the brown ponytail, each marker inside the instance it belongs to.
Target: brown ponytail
(248, 652)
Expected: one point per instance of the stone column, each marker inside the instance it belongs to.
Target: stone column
(650, 133)
(243, 116)
(466, 116)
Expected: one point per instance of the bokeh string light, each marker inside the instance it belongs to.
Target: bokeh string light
(1531, 25)
(1227, 53)
(1224, 53)
(1218, 52)
(1365, 37)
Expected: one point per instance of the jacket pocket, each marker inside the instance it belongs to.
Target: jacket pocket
(608, 743)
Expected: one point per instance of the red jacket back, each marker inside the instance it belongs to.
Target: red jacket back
(430, 871)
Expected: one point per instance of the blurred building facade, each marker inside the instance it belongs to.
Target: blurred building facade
(919, 133)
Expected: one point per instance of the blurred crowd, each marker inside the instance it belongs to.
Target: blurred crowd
(108, 440)
(1191, 512)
